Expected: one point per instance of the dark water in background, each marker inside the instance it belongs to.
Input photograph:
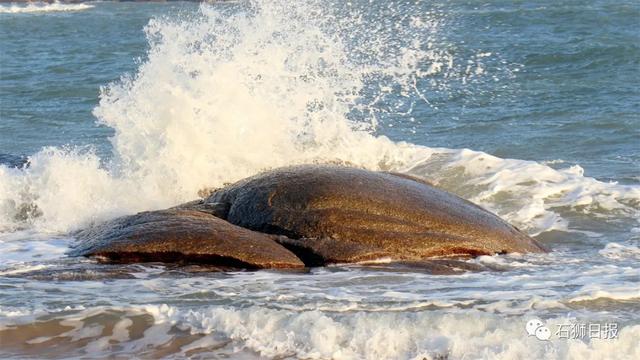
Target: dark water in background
(551, 85)
(50, 86)
(575, 95)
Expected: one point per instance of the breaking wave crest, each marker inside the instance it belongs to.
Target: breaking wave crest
(42, 7)
(165, 331)
(232, 90)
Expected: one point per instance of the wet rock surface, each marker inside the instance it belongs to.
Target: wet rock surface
(185, 236)
(310, 215)
(390, 213)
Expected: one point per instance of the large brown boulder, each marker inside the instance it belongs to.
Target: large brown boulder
(187, 236)
(340, 214)
(310, 215)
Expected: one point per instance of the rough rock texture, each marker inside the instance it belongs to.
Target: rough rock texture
(312, 215)
(188, 236)
(321, 251)
(341, 214)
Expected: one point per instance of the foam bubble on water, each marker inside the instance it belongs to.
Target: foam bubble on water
(617, 251)
(42, 7)
(509, 261)
(620, 291)
(7, 313)
(23, 269)
(121, 330)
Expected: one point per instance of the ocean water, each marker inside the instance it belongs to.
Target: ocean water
(528, 108)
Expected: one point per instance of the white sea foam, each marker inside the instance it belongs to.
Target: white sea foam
(23, 269)
(219, 98)
(617, 251)
(529, 194)
(358, 335)
(42, 7)
(23, 248)
(619, 291)
(227, 93)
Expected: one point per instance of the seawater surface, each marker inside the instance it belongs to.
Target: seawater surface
(529, 108)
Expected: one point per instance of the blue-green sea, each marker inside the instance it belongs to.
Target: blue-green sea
(529, 108)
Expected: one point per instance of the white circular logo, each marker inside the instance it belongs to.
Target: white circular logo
(543, 333)
(535, 327)
(532, 325)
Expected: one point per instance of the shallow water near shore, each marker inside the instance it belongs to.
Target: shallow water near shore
(529, 109)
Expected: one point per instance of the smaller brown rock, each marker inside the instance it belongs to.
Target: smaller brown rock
(188, 236)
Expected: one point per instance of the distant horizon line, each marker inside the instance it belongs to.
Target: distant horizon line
(85, 1)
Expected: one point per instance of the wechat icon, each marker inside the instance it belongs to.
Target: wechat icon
(535, 327)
